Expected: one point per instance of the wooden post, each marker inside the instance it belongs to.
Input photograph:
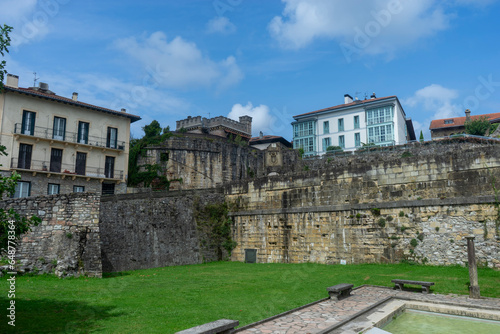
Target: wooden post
(474, 283)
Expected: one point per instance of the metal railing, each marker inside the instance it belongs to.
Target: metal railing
(72, 137)
(69, 169)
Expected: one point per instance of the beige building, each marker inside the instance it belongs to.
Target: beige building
(62, 145)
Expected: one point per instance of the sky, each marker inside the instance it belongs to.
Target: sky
(269, 59)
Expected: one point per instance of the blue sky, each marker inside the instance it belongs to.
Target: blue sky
(167, 60)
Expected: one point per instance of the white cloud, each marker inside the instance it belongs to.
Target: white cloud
(433, 102)
(361, 27)
(30, 19)
(179, 63)
(262, 120)
(221, 25)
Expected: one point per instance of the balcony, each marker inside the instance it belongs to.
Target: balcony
(67, 170)
(69, 137)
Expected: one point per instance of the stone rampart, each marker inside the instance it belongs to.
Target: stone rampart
(67, 240)
(156, 229)
(438, 193)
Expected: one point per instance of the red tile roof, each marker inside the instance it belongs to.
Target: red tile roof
(354, 103)
(62, 99)
(458, 121)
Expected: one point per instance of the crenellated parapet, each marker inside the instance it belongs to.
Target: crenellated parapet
(220, 126)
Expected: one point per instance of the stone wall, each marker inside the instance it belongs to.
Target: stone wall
(155, 229)
(203, 161)
(444, 190)
(67, 241)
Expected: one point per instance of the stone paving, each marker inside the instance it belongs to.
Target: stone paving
(327, 313)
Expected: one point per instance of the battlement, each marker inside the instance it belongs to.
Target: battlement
(219, 125)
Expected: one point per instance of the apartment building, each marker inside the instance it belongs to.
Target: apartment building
(62, 145)
(380, 121)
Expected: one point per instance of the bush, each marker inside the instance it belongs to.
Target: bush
(414, 242)
(375, 211)
(389, 218)
(401, 214)
(420, 237)
(381, 222)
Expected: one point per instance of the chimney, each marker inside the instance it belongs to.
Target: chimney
(347, 98)
(12, 81)
(124, 110)
(467, 115)
(261, 135)
(75, 96)
(373, 96)
(43, 86)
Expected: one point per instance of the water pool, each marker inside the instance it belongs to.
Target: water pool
(415, 321)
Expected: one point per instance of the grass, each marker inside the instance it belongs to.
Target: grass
(166, 300)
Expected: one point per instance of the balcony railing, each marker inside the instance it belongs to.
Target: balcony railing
(72, 137)
(66, 169)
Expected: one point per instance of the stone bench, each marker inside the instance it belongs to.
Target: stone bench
(222, 326)
(340, 291)
(399, 283)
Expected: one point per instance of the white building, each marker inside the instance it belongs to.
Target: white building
(381, 121)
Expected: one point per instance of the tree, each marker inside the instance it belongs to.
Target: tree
(4, 44)
(478, 127)
(152, 130)
(12, 225)
(421, 139)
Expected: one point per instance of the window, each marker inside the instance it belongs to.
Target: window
(24, 160)
(356, 122)
(341, 124)
(78, 189)
(111, 140)
(109, 167)
(326, 143)
(81, 162)
(108, 188)
(305, 143)
(449, 121)
(342, 141)
(303, 129)
(83, 132)
(28, 125)
(357, 139)
(23, 189)
(59, 130)
(56, 160)
(53, 189)
(380, 134)
(326, 127)
(379, 115)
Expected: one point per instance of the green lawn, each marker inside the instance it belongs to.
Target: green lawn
(166, 300)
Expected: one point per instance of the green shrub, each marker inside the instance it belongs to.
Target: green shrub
(406, 154)
(381, 222)
(414, 242)
(389, 218)
(420, 237)
(403, 228)
(401, 214)
(375, 211)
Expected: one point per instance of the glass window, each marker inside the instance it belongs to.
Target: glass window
(59, 130)
(109, 167)
(53, 189)
(23, 189)
(81, 163)
(24, 160)
(380, 134)
(56, 160)
(83, 132)
(326, 127)
(379, 115)
(111, 140)
(341, 124)
(356, 122)
(357, 139)
(28, 125)
(342, 141)
(326, 143)
(78, 189)
(304, 129)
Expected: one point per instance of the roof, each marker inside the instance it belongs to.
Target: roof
(57, 98)
(458, 121)
(269, 139)
(348, 105)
